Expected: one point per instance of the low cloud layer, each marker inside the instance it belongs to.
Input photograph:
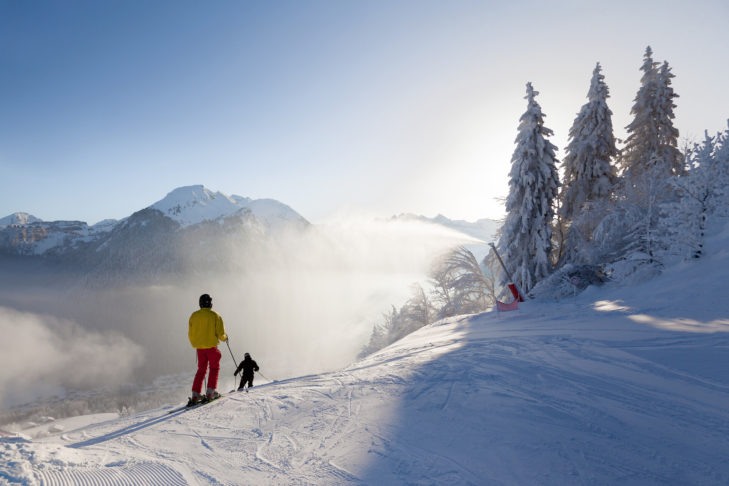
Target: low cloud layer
(42, 355)
(303, 303)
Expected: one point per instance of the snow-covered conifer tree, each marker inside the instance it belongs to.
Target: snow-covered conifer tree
(526, 236)
(722, 163)
(642, 132)
(668, 155)
(652, 139)
(632, 236)
(589, 175)
(701, 191)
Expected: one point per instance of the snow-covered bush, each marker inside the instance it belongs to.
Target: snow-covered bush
(459, 284)
(702, 191)
(417, 312)
(568, 281)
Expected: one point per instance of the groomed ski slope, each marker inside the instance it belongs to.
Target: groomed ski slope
(618, 386)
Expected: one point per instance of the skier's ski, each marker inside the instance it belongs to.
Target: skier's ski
(196, 405)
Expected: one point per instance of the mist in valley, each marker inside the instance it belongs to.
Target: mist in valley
(299, 301)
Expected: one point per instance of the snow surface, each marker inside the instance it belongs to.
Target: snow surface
(616, 386)
(190, 205)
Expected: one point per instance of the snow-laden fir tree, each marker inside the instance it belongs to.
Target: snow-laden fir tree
(701, 190)
(631, 238)
(588, 174)
(652, 139)
(526, 236)
(722, 161)
(667, 154)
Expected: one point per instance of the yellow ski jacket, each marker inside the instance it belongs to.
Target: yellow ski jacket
(206, 328)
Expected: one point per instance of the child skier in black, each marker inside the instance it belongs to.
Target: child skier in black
(248, 366)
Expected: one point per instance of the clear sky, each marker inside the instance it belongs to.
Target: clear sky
(380, 107)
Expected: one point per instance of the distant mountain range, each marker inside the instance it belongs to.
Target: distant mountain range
(483, 229)
(191, 230)
(184, 207)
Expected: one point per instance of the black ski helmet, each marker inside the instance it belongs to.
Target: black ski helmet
(247, 355)
(206, 301)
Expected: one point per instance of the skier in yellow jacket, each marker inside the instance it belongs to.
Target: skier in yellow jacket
(206, 329)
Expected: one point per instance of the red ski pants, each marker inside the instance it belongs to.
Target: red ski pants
(205, 357)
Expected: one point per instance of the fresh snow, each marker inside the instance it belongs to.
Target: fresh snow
(191, 205)
(620, 385)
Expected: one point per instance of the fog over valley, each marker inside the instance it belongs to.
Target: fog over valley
(112, 308)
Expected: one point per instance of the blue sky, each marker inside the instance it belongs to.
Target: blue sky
(328, 106)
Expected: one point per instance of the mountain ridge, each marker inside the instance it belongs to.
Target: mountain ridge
(26, 235)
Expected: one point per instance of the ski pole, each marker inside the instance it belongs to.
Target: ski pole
(227, 343)
(231, 352)
(263, 376)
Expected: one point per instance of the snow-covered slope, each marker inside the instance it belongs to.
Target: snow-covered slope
(617, 386)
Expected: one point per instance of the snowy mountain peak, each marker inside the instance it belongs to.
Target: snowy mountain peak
(19, 218)
(190, 205)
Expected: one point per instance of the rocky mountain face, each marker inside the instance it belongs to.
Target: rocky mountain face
(50, 238)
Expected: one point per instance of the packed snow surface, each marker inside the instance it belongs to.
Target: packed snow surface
(622, 385)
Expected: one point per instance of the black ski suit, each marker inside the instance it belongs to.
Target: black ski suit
(248, 366)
